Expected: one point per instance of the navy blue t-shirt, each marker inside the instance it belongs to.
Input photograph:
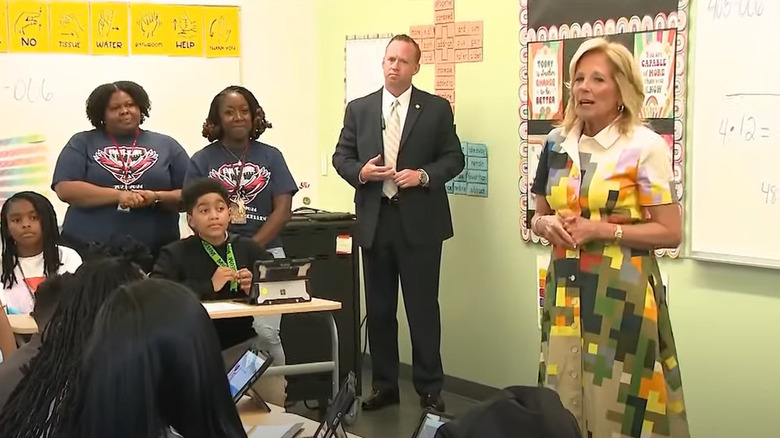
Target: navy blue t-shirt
(264, 175)
(158, 162)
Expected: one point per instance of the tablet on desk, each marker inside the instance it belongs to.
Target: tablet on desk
(430, 422)
(246, 371)
(281, 281)
(343, 404)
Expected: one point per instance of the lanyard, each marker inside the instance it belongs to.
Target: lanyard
(240, 170)
(24, 280)
(125, 163)
(231, 260)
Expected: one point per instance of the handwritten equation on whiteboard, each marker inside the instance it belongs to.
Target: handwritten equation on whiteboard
(724, 9)
(27, 89)
(750, 119)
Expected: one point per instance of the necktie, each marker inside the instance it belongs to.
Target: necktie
(392, 140)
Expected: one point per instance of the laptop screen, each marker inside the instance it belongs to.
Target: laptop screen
(429, 424)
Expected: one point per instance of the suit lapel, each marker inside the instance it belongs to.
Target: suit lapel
(415, 107)
(375, 120)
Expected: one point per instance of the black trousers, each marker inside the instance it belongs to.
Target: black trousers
(418, 267)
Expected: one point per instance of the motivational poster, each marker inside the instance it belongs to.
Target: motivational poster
(655, 54)
(545, 76)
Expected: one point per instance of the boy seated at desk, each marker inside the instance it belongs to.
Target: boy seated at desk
(214, 263)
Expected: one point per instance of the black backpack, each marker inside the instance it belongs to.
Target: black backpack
(515, 412)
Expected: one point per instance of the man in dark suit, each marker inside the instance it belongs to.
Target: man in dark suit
(398, 148)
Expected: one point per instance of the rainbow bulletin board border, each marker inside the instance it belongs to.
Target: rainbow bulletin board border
(23, 164)
(609, 27)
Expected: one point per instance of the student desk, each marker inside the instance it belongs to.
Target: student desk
(25, 325)
(252, 416)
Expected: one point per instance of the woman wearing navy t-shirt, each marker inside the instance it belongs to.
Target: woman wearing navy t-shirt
(118, 179)
(256, 176)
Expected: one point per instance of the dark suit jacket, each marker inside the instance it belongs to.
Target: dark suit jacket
(428, 142)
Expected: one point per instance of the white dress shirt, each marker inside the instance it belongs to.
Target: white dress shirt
(403, 106)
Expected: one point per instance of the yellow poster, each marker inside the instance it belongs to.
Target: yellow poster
(109, 28)
(29, 26)
(69, 27)
(3, 26)
(150, 29)
(186, 36)
(223, 34)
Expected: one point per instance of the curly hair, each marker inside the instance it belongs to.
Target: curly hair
(212, 127)
(97, 102)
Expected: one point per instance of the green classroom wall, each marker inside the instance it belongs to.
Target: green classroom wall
(722, 314)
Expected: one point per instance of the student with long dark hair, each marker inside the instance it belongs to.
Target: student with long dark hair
(29, 230)
(36, 405)
(149, 372)
(47, 298)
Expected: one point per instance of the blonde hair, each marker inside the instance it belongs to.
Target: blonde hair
(625, 72)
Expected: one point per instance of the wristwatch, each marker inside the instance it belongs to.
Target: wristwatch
(423, 177)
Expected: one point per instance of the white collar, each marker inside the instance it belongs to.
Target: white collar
(403, 99)
(606, 138)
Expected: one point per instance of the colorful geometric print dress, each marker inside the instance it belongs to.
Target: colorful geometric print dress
(607, 343)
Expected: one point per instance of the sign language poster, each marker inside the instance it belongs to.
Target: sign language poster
(655, 53)
(546, 75)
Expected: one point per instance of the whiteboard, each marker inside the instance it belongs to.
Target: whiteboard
(363, 58)
(735, 153)
(43, 98)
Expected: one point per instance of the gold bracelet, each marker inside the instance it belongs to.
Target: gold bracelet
(618, 233)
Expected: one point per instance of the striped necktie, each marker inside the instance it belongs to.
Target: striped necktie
(392, 140)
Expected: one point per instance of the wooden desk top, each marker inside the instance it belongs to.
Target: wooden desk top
(25, 324)
(230, 309)
(251, 416)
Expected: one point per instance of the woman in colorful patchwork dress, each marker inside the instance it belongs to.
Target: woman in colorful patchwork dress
(605, 200)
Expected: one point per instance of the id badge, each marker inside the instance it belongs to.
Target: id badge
(119, 207)
(237, 212)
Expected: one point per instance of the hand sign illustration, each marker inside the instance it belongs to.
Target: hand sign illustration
(220, 29)
(184, 26)
(70, 25)
(27, 19)
(106, 23)
(149, 24)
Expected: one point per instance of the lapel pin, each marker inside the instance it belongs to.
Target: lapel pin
(417, 106)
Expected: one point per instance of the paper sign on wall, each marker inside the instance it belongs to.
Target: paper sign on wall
(545, 71)
(69, 27)
(109, 29)
(29, 23)
(655, 53)
(3, 25)
(473, 180)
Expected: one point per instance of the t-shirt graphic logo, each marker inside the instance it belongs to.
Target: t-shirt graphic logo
(115, 159)
(254, 179)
